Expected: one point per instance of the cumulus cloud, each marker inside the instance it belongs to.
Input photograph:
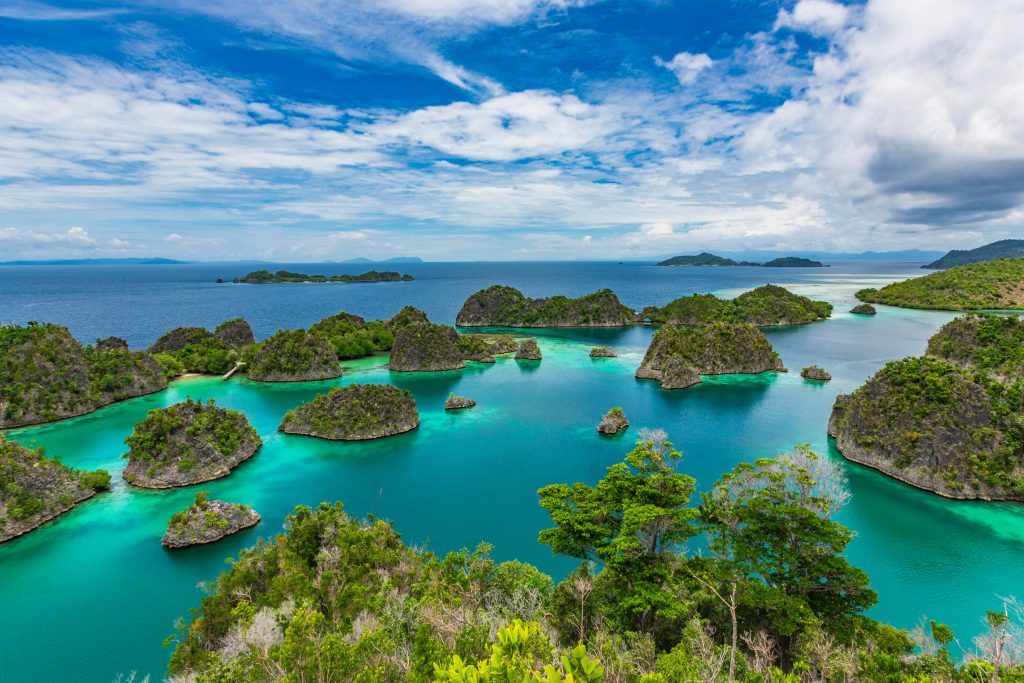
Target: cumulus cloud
(686, 66)
(74, 236)
(823, 17)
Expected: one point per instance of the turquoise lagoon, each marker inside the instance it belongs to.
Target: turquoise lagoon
(93, 594)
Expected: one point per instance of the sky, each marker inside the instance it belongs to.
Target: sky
(307, 130)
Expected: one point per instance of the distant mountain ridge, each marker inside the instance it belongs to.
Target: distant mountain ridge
(707, 259)
(97, 262)
(987, 252)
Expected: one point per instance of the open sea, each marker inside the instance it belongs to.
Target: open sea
(93, 594)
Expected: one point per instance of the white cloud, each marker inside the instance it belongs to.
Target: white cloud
(686, 66)
(74, 236)
(823, 17)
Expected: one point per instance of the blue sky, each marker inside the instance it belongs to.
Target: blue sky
(507, 129)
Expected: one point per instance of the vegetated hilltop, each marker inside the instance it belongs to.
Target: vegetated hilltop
(355, 412)
(425, 347)
(991, 285)
(261, 277)
(353, 337)
(47, 375)
(951, 422)
(703, 259)
(196, 349)
(35, 489)
(340, 599)
(989, 252)
(793, 262)
(293, 356)
(502, 306)
(765, 306)
(678, 356)
(188, 443)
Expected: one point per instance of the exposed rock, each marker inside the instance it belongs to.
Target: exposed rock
(47, 375)
(864, 309)
(35, 489)
(294, 356)
(235, 333)
(111, 344)
(207, 521)
(180, 337)
(424, 347)
(355, 412)
(504, 344)
(528, 350)
(815, 373)
(474, 347)
(501, 306)
(678, 356)
(409, 315)
(458, 402)
(613, 422)
(188, 443)
(602, 352)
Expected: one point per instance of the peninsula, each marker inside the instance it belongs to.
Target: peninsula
(989, 285)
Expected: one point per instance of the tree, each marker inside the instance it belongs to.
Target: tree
(631, 524)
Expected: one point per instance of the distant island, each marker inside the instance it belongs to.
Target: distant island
(990, 285)
(989, 252)
(706, 259)
(261, 277)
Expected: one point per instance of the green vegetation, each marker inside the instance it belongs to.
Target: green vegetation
(35, 488)
(353, 337)
(354, 412)
(863, 309)
(196, 349)
(426, 347)
(988, 252)
(767, 305)
(206, 521)
(793, 262)
(260, 277)
(991, 285)
(501, 306)
(293, 355)
(409, 315)
(773, 599)
(46, 375)
(703, 259)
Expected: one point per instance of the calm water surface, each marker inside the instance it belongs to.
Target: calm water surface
(94, 594)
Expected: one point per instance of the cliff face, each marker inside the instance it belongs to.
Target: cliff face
(677, 356)
(46, 375)
(208, 521)
(235, 333)
(501, 306)
(188, 443)
(425, 347)
(180, 337)
(294, 356)
(355, 412)
(35, 489)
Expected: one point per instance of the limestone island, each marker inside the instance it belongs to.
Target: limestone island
(35, 489)
(501, 306)
(613, 422)
(765, 306)
(198, 350)
(793, 262)
(678, 356)
(187, 443)
(990, 285)
(294, 356)
(355, 412)
(813, 372)
(458, 402)
(602, 352)
(353, 337)
(528, 350)
(947, 422)
(207, 521)
(863, 309)
(703, 259)
(425, 347)
(47, 375)
(262, 277)
(988, 252)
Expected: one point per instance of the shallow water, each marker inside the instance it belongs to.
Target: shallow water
(94, 594)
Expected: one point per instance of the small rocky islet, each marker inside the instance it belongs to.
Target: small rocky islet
(355, 412)
(528, 350)
(454, 402)
(207, 521)
(35, 489)
(602, 352)
(863, 309)
(188, 443)
(813, 372)
(948, 421)
(613, 422)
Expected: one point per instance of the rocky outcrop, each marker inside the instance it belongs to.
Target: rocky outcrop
(602, 352)
(613, 422)
(47, 375)
(815, 373)
(528, 350)
(294, 356)
(235, 333)
(501, 306)
(111, 344)
(355, 412)
(678, 356)
(503, 344)
(35, 489)
(188, 443)
(207, 521)
(863, 309)
(409, 315)
(458, 402)
(425, 347)
(180, 337)
(475, 348)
